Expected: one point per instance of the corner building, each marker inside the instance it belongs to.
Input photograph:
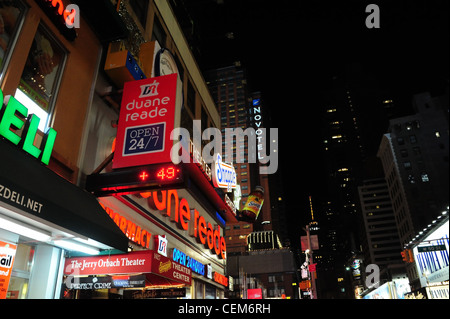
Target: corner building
(158, 238)
(46, 77)
(177, 207)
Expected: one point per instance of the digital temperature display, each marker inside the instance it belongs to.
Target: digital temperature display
(164, 174)
(135, 179)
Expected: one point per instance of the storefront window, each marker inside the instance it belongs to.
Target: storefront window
(20, 276)
(210, 292)
(199, 288)
(41, 76)
(11, 18)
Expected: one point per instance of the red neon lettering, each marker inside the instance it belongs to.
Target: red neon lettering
(154, 201)
(161, 174)
(143, 176)
(223, 248)
(221, 279)
(69, 16)
(58, 3)
(216, 241)
(210, 237)
(138, 236)
(185, 214)
(169, 204)
(172, 201)
(194, 229)
(202, 230)
(133, 232)
(123, 224)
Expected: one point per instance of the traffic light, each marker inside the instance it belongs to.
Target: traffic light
(410, 255)
(404, 256)
(407, 256)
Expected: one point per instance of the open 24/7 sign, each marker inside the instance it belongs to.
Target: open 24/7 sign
(147, 118)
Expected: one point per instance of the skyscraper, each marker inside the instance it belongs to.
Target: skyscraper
(383, 242)
(228, 87)
(414, 155)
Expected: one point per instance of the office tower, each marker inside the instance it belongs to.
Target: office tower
(414, 155)
(228, 87)
(354, 114)
(383, 247)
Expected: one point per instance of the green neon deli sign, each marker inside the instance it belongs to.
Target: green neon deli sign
(10, 110)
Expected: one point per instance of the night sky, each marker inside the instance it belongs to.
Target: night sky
(292, 50)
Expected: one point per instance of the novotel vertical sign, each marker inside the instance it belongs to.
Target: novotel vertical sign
(12, 113)
(147, 117)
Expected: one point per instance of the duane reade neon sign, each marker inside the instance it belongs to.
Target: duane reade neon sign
(10, 123)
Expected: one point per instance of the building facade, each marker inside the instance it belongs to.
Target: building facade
(155, 230)
(228, 86)
(44, 214)
(414, 155)
(383, 242)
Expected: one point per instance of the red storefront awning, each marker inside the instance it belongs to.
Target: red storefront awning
(160, 271)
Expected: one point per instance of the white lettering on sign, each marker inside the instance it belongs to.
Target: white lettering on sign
(162, 245)
(20, 199)
(224, 175)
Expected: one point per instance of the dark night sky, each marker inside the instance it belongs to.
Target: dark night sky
(292, 49)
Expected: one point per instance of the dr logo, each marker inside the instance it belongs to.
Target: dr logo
(149, 89)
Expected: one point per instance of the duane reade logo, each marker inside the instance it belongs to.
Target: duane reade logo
(149, 89)
(266, 156)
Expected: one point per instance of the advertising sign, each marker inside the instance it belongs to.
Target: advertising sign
(145, 261)
(107, 282)
(314, 242)
(11, 114)
(169, 269)
(7, 254)
(134, 262)
(254, 293)
(147, 117)
(432, 256)
(223, 175)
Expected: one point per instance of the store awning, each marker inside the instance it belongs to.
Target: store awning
(30, 186)
(160, 271)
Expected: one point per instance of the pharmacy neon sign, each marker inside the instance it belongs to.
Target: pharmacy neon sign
(11, 112)
(177, 209)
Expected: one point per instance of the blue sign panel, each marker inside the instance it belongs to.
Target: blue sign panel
(144, 139)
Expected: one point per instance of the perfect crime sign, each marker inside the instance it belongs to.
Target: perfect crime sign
(146, 120)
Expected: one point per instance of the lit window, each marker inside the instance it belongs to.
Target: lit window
(11, 18)
(39, 82)
(424, 177)
(437, 134)
(331, 110)
(336, 136)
